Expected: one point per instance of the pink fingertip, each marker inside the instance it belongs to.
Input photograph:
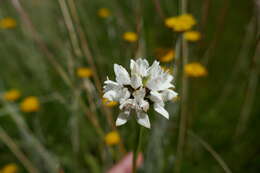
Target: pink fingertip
(125, 165)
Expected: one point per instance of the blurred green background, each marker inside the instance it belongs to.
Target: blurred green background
(223, 107)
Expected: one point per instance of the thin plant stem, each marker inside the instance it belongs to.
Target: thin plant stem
(71, 28)
(240, 64)
(158, 9)
(89, 88)
(250, 94)
(216, 156)
(84, 44)
(139, 47)
(184, 110)
(252, 82)
(205, 14)
(91, 116)
(42, 46)
(17, 152)
(75, 139)
(50, 160)
(138, 143)
(184, 100)
(70, 16)
(220, 27)
(177, 64)
(87, 53)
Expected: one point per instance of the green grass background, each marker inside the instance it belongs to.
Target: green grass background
(214, 111)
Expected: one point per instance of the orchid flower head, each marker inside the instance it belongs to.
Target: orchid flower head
(144, 87)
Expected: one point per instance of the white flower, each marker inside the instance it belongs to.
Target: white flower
(147, 86)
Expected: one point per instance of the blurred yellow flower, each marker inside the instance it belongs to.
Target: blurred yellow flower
(112, 138)
(130, 36)
(84, 72)
(12, 95)
(30, 104)
(10, 168)
(175, 99)
(171, 21)
(168, 69)
(7, 23)
(195, 69)
(168, 56)
(192, 36)
(108, 103)
(104, 13)
(180, 23)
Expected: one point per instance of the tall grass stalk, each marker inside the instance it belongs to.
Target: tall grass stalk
(216, 156)
(33, 144)
(87, 53)
(42, 46)
(71, 29)
(217, 35)
(184, 99)
(250, 94)
(72, 22)
(6, 139)
(83, 41)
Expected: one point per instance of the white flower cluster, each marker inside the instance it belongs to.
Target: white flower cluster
(146, 86)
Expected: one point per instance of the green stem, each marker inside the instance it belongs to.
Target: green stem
(184, 101)
(138, 143)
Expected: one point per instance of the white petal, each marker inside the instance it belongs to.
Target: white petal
(111, 95)
(111, 85)
(123, 94)
(154, 70)
(144, 105)
(132, 64)
(122, 118)
(167, 81)
(159, 83)
(143, 119)
(139, 67)
(122, 76)
(156, 97)
(143, 66)
(127, 104)
(139, 94)
(154, 84)
(158, 79)
(168, 94)
(158, 108)
(136, 81)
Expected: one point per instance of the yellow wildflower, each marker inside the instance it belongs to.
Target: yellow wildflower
(171, 21)
(7, 23)
(175, 99)
(30, 104)
(108, 103)
(192, 36)
(180, 23)
(195, 69)
(168, 69)
(167, 56)
(10, 168)
(12, 95)
(84, 72)
(104, 13)
(112, 138)
(130, 36)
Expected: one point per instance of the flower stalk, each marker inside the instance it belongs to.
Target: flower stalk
(137, 149)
